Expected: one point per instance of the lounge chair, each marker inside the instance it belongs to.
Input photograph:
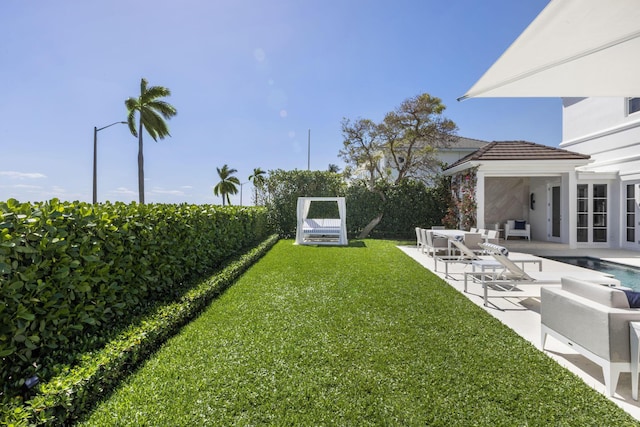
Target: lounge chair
(512, 276)
(475, 257)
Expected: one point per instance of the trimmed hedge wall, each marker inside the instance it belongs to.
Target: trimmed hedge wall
(71, 272)
(407, 205)
(70, 395)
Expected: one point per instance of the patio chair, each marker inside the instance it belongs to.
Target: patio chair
(517, 228)
(420, 239)
(434, 245)
(492, 237)
(512, 276)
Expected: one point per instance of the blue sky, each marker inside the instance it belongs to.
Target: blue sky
(249, 79)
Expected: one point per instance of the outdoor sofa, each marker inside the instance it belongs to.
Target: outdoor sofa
(593, 320)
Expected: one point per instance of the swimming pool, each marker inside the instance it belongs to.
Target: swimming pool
(628, 276)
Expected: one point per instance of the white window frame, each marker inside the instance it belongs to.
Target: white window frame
(591, 214)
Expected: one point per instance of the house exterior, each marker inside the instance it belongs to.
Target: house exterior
(608, 130)
(585, 193)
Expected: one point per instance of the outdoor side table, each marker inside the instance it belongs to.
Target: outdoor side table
(634, 335)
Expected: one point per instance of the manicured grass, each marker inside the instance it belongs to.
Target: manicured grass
(360, 335)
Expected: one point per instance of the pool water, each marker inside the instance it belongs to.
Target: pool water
(628, 276)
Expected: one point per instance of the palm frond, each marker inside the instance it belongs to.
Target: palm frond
(155, 92)
(131, 121)
(143, 86)
(167, 110)
(154, 124)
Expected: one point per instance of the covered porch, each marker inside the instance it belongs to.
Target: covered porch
(518, 180)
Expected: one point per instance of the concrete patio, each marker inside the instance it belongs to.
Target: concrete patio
(522, 312)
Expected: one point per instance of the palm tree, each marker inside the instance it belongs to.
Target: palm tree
(152, 111)
(227, 184)
(333, 168)
(257, 178)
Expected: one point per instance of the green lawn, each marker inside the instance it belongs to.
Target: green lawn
(358, 335)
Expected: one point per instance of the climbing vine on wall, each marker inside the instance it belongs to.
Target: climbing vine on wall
(463, 208)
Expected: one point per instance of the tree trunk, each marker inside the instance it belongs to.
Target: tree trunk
(375, 221)
(140, 165)
(372, 224)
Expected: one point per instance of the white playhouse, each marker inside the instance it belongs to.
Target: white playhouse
(321, 231)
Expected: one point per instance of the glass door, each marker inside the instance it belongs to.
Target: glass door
(592, 213)
(630, 223)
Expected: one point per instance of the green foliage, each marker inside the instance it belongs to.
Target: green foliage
(462, 210)
(407, 139)
(70, 394)
(284, 188)
(228, 184)
(71, 272)
(405, 205)
(152, 113)
(354, 336)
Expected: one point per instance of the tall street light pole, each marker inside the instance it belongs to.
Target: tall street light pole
(241, 184)
(95, 158)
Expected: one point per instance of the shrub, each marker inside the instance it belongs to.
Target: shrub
(69, 269)
(67, 396)
(406, 205)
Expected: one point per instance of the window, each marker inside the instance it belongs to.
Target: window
(583, 213)
(633, 105)
(599, 212)
(591, 213)
(631, 213)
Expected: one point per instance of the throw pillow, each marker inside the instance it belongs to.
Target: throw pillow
(496, 248)
(633, 297)
(520, 225)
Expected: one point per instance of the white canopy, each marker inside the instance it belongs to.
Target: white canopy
(304, 203)
(574, 48)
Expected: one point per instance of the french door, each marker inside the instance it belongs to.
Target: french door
(592, 211)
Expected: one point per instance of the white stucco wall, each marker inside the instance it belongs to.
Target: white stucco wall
(601, 128)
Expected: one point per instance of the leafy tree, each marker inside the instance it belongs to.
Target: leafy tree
(406, 141)
(403, 145)
(257, 179)
(227, 185)
(362, 148)
(412, 135)
(152, 112)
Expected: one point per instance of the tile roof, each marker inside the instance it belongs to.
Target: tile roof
(463, 142)
(519, 150)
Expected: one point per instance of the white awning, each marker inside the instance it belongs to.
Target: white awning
(574, 48)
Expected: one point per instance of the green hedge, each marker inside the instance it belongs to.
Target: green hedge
(406, 205)
(72, 271)
(71, 394)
